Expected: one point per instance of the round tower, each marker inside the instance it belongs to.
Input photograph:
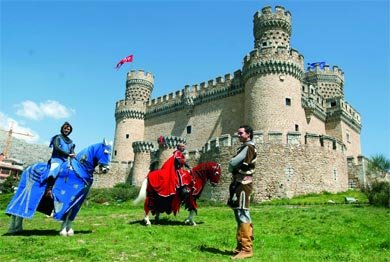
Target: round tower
(143, 151)
(130, 114)
(272, 75)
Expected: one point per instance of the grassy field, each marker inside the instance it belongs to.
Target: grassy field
(302, 229)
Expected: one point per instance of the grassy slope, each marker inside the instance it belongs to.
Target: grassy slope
(298, 232)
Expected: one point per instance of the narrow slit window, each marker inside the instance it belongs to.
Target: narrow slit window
(288, 101)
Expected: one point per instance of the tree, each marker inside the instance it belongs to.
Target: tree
(379, 165)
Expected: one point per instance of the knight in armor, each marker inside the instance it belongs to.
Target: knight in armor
(63, 150)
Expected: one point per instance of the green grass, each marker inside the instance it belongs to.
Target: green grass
(298, 232)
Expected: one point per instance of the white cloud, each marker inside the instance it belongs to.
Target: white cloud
(49, 108)
(18, 130)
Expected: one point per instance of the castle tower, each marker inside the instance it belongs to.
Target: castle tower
(130, 114)
(329, 83)
(166, 146)
(272, 75)
(142, 157)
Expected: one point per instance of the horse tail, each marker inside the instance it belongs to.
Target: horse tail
(142, 192)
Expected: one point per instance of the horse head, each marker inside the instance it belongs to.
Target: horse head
(214, 175)
(104, 156)
(96, 155)
(210, 171)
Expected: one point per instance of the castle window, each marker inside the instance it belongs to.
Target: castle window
(264, 43)
(115, 153)
(348, 138)
(333, 103)
(288, 101)
(189, 129)
(127, 136)
(297, 128)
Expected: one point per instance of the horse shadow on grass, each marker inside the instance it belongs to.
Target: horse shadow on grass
(204, 248)
(162, 222)
(45, 232)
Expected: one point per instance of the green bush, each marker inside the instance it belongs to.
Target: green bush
(9, 185)
(119, 193)
(379, 194)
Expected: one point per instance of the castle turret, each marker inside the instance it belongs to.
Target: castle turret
(166, 145)
(329, 82)
(130, 114)
(272, 75)
(143, 152)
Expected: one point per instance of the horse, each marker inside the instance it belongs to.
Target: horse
(70, 188)
(157, 204)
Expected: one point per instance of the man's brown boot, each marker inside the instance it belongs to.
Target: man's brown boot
(246, 242)
(238, 238)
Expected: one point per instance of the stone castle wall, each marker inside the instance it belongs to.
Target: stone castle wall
(284, 168)
(207, 120)
(118, 173)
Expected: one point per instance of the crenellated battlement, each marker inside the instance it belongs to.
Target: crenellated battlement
(291, 139)
(170, 141)
(266, 18)
(281, 53)
(143, 146)
(140, 75)
(326, 74)
(221, 86)
(258, 66)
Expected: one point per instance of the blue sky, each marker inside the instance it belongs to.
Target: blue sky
(58, 57)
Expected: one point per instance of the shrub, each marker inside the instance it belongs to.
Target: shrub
(379, 194)
(119, 193)
(9, 185)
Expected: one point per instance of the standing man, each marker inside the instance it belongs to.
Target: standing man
(242, 167)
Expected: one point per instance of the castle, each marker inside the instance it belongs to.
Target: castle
(305, 130)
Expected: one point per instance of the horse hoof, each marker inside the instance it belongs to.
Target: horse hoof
(189, 222)
(63, 232)
(70, 232)
(14, 231)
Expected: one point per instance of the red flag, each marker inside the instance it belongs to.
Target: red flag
(127, 59)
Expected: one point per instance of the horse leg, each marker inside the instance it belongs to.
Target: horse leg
(190, 219)
(63, 229)
(16, 225)
(147, 221)
(66, 226)
(157, 218)
(69, 228)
